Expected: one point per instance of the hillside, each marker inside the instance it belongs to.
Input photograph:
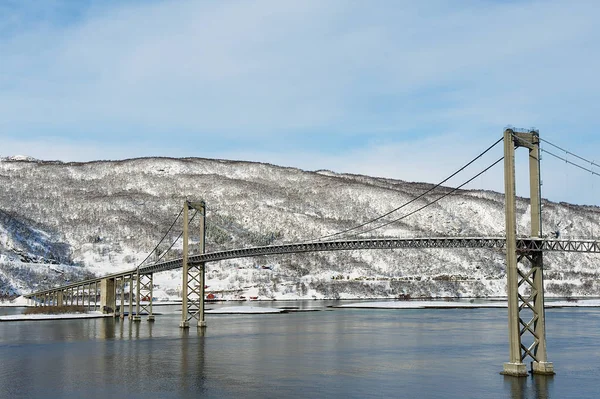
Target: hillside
(62, 221)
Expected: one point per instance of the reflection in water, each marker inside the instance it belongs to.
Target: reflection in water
(517, 386)
(542, 384)
(192, 360)
(533, 386)
(121, 323)
(108, 330)
(136, 328)
(133, 329)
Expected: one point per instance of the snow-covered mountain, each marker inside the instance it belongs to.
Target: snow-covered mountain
(63, 221)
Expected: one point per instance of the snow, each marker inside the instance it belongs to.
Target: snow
(460, 305)
(105, 217)
(21, 317)
(423, 305)
(244, 310)
(17, 302)
(582, 303)
(19, 158)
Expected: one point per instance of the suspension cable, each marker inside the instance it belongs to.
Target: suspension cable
(434, 201)
(225, 229)
(175, 241)
(162, 239)
(565, 159)
(570, 153)
(572, 163)
(412, 200)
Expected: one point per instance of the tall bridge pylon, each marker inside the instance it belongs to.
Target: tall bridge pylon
(192, 307)
(525, 282)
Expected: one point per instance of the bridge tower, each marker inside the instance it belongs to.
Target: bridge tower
(526, 320)
(193, 275)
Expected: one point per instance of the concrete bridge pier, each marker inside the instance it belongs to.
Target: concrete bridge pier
(87, 295)
(108, 301)
(118, 310)
(130, 310)
(137, 316)
(122, 306)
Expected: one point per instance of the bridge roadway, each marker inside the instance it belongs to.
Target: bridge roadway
(523, 245)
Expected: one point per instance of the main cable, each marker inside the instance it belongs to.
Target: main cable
(565, 159)
(218, 226)
(571, 163)
(177, 239)
(434, 201)
(162, 239)
(412, 200)
(570, 153)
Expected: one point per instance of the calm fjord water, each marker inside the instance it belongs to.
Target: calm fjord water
(342, 353)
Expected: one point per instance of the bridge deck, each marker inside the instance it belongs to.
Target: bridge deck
(523, 244)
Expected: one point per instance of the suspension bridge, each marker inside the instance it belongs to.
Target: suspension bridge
(524, 260)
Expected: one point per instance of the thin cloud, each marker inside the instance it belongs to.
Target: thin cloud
(337, 84)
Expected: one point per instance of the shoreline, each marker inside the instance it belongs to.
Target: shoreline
(502, 304)
(550, 302)
(365, 304)
(64, 316)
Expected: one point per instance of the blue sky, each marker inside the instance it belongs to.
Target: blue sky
(408, 90)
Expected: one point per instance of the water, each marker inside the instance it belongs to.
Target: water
(344, 353)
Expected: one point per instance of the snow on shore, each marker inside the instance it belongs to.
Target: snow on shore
(582, 303)
(21, 317)
(17, 302)
(244, 310)
(461, 305)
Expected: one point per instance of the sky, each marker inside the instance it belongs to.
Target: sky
(410, 90)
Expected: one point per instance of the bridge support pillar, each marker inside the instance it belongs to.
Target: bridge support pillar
(130, 311)
(59, 298)
(193, 284)
(118, 309)
(108, 302)
(122, 306)
(96, 295)
(526, 316)
(138, 298)
(145, 295)
(184, 284)
(515, 366)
